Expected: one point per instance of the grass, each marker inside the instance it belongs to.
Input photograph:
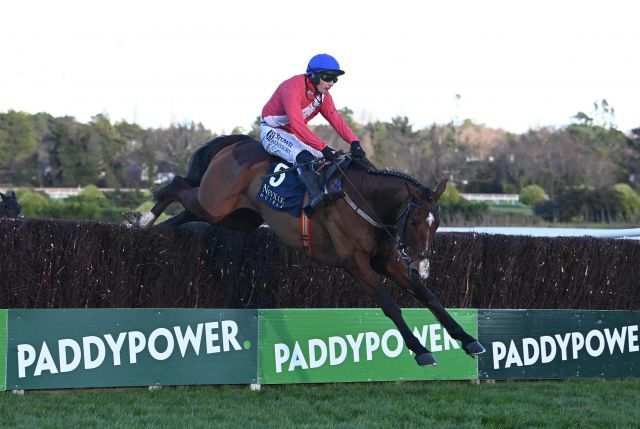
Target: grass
(546, 404)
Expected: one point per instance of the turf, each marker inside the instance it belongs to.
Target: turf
(548, 404)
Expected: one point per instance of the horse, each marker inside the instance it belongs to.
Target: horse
(9, 206)
(383, 223)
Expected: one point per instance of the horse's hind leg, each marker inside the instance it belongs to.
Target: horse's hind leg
(179, 219)
(178, 190)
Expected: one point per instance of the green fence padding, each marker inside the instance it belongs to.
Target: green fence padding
(130, 347)
(348, 345)
(555, 344)
(3, 349)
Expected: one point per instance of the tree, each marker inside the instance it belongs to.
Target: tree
(255, 128)
(347, 115)
(32, 202)
(629, 200)
(17, 137)
(604, 114)
(112, 147)
(532, 194)
(583, 119)
(18, 143)
(176, 143)
(450, 195)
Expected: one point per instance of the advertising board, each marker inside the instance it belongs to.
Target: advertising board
(547, 344)
(349, 345)
(130, 347)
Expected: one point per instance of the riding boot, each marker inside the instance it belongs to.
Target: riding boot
(310, 180)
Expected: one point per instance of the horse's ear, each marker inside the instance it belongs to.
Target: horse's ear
(440, 189)
(4, 197)
(12, 194)
(412, 191)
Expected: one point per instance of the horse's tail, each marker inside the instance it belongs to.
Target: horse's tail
(200, 161)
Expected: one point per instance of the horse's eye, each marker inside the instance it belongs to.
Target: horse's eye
(412, 222)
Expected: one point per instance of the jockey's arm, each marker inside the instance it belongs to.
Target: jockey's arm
(331, 114)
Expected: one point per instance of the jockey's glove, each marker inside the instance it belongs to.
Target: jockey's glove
(329, 154)
(356, 150)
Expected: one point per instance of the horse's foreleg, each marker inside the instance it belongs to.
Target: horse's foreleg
(366, 277)
(391, 309)
(469, 344)
(396, 270)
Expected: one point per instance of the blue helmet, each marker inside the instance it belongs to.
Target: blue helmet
(324, 63)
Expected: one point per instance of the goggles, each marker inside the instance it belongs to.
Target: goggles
(329, 78)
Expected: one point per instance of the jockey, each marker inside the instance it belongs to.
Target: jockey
(283, 125)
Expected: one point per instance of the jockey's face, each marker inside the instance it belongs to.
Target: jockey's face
(324, 87)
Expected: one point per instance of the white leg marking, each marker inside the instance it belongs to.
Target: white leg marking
(146, 219)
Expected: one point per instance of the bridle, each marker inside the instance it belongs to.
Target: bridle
(401, 244)
(400, 224)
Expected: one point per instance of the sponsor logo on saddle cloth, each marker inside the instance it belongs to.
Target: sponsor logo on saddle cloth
(282, 192)
(285, 192)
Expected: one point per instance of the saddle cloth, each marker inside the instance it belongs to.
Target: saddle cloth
(285, 192)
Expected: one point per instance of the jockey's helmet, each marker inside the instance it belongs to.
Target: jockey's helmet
(324, 63)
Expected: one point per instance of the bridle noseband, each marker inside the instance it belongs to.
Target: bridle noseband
(401, 243)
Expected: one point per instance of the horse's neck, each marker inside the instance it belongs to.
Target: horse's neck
(385, 195)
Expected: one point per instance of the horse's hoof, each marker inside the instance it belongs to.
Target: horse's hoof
(426, 359)
(473, 348)
(132, 217)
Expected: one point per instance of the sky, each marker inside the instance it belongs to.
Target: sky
(514, 65)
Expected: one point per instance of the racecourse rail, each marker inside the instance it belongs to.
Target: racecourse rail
(633, 233)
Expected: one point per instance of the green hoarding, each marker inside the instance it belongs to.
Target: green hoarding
(336, 345)
(547, 344)
(111, 347)
(3, 348)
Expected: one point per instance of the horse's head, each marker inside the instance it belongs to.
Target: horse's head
(417, 225)
(10, 206)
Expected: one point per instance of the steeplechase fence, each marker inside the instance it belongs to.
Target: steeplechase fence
(92, 304)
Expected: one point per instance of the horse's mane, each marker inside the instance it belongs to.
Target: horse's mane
(367, 167)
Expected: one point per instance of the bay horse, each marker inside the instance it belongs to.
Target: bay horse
(384, 225)
(9, 206)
